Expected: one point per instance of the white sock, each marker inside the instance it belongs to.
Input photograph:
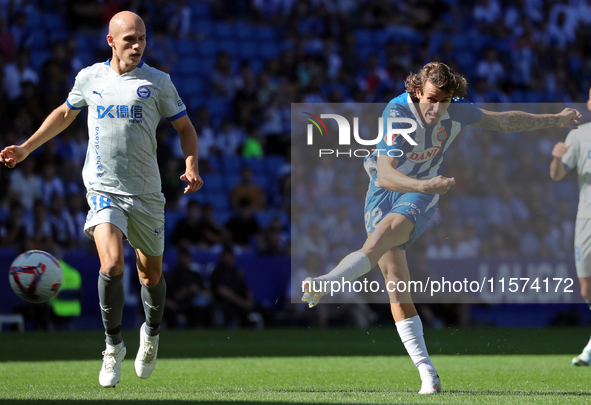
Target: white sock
(352, 266)
(117, 347)
(411, 334)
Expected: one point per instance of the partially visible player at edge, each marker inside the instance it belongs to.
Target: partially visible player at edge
(576, 151)
(126, 99)
(404, 191)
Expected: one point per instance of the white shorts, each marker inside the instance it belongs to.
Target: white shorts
(140, 218)
(583, 247)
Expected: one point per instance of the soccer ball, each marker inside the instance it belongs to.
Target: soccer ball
(35, 276)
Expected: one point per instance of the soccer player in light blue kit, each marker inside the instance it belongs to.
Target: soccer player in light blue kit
(575, 152)
(126, 99)
(405, 187)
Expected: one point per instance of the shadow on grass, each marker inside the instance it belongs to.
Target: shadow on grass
(87, 345)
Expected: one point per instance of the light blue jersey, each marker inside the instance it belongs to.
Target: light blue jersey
(123, 113)
(421, 161)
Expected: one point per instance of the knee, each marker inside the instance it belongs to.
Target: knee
(389, 272)
(150, 278)
(112, 266)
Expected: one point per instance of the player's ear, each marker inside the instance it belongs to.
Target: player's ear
(110, 41)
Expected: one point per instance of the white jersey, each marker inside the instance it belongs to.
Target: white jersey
(123, 113)
(579, 155)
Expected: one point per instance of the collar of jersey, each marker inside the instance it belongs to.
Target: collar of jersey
(414, 112)
(139, 66)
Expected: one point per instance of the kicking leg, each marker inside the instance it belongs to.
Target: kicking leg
(153, 295)
(584, 359)
(109, 243)
(410, 328)
(393, 230)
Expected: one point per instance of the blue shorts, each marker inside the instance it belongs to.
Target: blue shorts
(417, 207)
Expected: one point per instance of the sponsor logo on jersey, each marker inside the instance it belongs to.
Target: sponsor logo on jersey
(143, 92)
(99, 94)
(134, 113)
(423, 156)
(441, 135)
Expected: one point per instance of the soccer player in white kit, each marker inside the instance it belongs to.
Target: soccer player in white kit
(576, 152)
(126, 99)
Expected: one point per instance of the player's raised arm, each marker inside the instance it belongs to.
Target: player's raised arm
(190, 147)
(56, 122)
(391, 179)
(518, 121)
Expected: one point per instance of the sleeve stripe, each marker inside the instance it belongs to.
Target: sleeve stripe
(71, 107)
(177, 116)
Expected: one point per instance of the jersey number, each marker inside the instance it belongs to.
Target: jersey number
(373, 217)
(103, 202)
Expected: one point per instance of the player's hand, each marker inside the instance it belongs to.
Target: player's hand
(559, 149)
(194, 180)
(569, 118)
(11, 155)
(438, 185)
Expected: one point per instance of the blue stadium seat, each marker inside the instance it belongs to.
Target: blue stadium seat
(194, 102)
(171, 219)
(261, 180)
(58, 35)
(245, 31)
(193, 86)
(257, 165)
(34, 20)
(39, 59)
(38, 40)
(248, 50)
(222, 216)
(273, 163)
(200, 9)
(215, 164)
(218, 108)
(267, 33)
(364, 37)
(257, 65)
(220, 201)
(270, 50)
(207, 48)
(228, 46)
(232, 164)
(231, 180)
(205, 66)
(224, 31)
(53, 21)
(264, 218)
(213, 182)
(205, 27)
(187, 67)
(185, 47)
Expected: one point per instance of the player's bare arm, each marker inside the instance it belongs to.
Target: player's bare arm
(56, 122)
(190, 147)
(518, 121)
(391, 179)
(557, 169)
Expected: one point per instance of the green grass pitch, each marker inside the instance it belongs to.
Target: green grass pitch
(300, 366)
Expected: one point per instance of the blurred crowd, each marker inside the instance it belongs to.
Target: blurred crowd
(239, 64)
